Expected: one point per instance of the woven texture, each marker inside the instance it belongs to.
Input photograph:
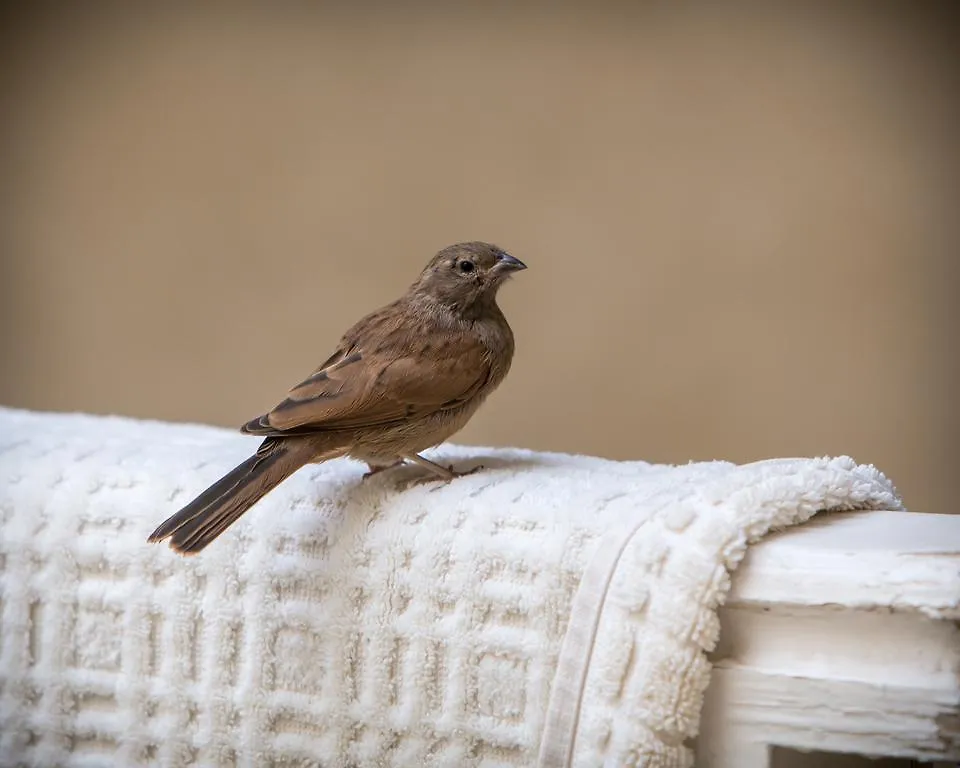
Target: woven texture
(551, 610)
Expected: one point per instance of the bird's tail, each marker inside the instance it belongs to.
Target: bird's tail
(217, 508)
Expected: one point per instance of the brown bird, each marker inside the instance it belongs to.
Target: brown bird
(403, 379)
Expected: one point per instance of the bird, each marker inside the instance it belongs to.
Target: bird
(403, 379)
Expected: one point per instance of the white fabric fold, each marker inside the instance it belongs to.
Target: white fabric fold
(550, 610)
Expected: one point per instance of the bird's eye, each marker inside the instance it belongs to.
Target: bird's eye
(466, 267)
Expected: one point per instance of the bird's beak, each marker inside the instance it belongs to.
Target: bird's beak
(508, 263)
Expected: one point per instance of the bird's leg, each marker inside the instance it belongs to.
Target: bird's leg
(447, 473)
(377, 468)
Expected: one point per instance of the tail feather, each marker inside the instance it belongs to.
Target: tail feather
(217, 508)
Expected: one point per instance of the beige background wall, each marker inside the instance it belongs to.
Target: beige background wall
(741, 223)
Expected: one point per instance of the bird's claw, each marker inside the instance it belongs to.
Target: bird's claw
(465, 472)
(441, 481)
(376, 470)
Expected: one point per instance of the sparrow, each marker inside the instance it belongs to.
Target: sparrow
(403, 379)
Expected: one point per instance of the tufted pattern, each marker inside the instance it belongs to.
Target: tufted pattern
(550, 610)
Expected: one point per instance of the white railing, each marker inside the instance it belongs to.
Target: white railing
(841, 636)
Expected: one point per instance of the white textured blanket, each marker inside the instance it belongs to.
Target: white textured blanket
(549, 611)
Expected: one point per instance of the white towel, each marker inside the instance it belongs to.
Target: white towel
(550, 610)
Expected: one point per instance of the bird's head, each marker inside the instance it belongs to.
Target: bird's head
(467, 275)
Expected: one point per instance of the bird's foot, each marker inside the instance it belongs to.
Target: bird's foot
(438, 472)
(446, 480)
(376, 469)
(466, 472)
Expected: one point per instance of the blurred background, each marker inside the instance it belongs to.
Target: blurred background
(741, 220)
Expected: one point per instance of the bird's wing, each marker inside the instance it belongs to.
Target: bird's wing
(365, 384)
